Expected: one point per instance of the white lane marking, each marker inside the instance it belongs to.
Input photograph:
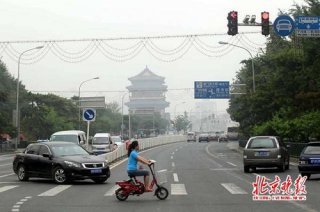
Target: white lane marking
(19, 203)
(172, 153)
(178, 189)
(171, 157)
(173, 165)
(260, 175)
(231, 164)
(28, 197)
(175, 177)
(111, 191)
(16, 206)
(7, 164)
(24, 200)
(209, 153)
(6, 188)
(233, 189)
(54, 191)
(176, 150)
(6, 175)
(14, 210)
(224, 169)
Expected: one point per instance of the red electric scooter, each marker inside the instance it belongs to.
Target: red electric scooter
(136, 187)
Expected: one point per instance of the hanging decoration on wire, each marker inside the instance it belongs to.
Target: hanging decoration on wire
(112, 49)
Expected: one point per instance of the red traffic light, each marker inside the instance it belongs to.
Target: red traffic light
(234, 14)
(265, 15)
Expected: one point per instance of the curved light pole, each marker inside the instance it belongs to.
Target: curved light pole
(79, 106)
(18, 85)
(252, 64)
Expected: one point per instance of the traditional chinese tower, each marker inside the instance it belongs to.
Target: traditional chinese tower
(147, 93)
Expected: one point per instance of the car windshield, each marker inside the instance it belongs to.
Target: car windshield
(116, 139)
(101, 140)
(70, 138)
(312, 150)
(258, 143)
(67, 150)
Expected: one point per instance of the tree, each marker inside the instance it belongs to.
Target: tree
(182, 123)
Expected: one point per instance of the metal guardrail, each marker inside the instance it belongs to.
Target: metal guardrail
(146, 143)
(4, 147)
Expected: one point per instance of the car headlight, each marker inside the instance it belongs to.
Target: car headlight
(72, 164)
(245, 157)
(279, 156)
(105, 163)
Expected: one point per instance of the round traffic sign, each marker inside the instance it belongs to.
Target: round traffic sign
(283, 25)
(89, 114)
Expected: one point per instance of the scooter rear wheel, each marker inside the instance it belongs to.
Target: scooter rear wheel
(121, 195)
(162, 193)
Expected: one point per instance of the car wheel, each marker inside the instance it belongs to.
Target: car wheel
(305, 174)
(22, 173)
(100, 180)
(246, 169)
(288, 165)
(59, 175)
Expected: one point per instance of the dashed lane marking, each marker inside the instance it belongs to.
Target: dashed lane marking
(175, 177)
(54, 191)
(231, 164)
(111, 191)
(178, 189)
(233, 189)
(6, 188)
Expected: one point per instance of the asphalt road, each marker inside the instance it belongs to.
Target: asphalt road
(201, 177)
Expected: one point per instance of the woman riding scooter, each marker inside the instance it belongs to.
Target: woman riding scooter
(132, 168)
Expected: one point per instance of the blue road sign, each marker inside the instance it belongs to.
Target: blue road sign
(284, 25)
(308, 26)
(89, 114)
(211, 90)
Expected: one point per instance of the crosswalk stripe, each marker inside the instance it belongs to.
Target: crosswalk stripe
(6, 188)
(233, 189)
(111, 191)
(54, 191)
(178, 189)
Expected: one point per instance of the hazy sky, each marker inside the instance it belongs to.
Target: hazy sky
(39, 20)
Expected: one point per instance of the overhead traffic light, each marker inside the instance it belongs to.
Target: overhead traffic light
(265, 30)
(232, 23)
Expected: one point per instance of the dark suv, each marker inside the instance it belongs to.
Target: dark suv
(265, 151)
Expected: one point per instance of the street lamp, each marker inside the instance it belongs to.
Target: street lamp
(79, 96)
(17, 105)
(122, 115)
(175, 107)
(253, 81)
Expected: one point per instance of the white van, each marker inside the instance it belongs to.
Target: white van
(102, 143)
(74, 136)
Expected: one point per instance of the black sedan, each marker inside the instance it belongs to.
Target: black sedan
(309, 161)
(60, 161)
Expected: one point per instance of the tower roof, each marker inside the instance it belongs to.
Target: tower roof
(146, 74)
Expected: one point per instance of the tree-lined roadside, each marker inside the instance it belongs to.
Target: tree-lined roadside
(287, 77)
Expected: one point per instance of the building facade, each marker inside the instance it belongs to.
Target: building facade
(147, 93)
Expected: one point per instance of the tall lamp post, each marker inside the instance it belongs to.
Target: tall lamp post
(79, 97)
(175, 107)
(122, 126)
(252, 64)
(17, 105)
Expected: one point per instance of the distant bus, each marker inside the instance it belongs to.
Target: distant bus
(233, 133)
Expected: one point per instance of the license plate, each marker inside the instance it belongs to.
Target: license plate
(314, 160)
(261, 154)
(96, 171)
